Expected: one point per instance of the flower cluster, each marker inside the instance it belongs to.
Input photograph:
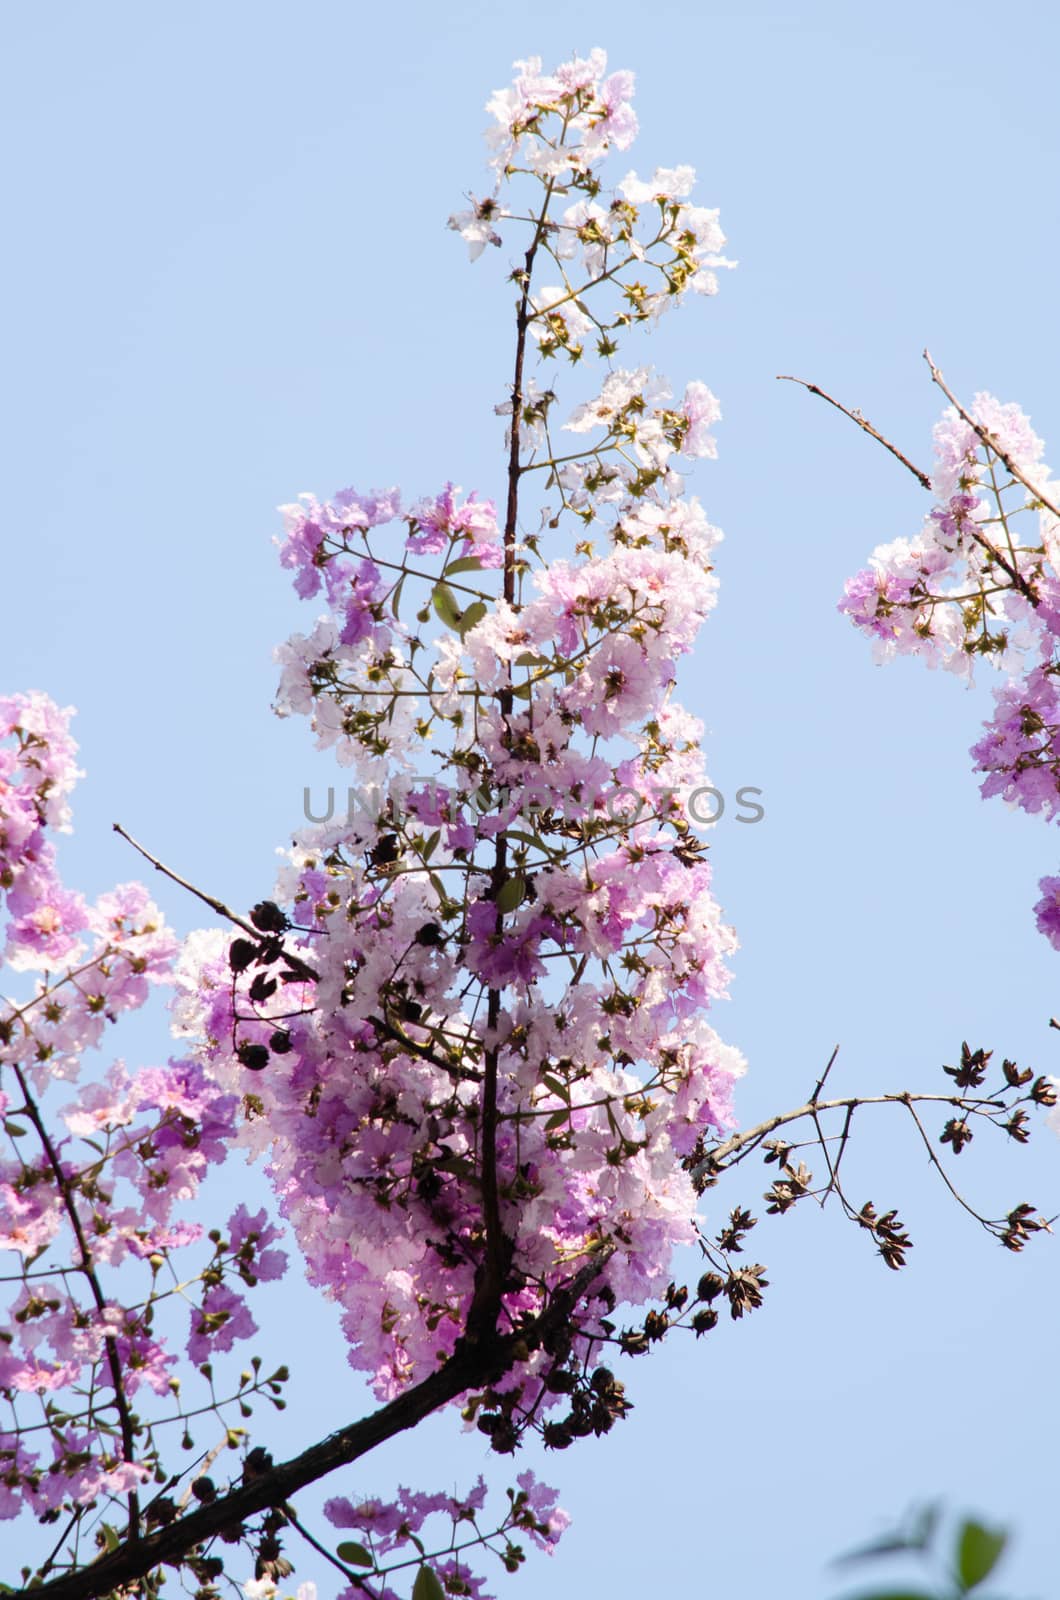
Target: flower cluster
(489, 989)
(559, 128)
(37, 772)
(981, 581)
(387, 1528)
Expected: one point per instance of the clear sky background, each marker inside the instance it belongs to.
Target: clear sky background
(226, 279)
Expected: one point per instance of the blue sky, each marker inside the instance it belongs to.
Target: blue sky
(228, 280)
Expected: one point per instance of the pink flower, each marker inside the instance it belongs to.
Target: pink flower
(223, 1319)
(1047, 911)
(701, 409)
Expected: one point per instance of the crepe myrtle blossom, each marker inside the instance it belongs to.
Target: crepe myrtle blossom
(1047, 911)
(386, 1528)
(594, 106)
(576, 971)
(980, 582)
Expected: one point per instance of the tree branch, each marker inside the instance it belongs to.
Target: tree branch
(738, 1142)
(296, 963)
(471, 1364)
(863, 423)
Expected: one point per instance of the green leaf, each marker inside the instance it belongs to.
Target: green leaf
(512, 893)
(465, 564)
(15, 1130)
(111, 1541)
(427, 1586)
(892, 1594)
(354, 1555)
(979, 1550)
(558, 1119)
(444, 601)
(470, 618)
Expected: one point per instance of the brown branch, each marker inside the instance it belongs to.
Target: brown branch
(200, 894)
(1012, 572)
(738, 1142)
(863, 423)
(472, 1364)
(816, 1095)
(485, 1306)
(85, 1266)
(940, 1169)
(453, 1068)
(302, 968)
(357, 1579)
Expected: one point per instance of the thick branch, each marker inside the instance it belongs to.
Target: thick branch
(470, 1366)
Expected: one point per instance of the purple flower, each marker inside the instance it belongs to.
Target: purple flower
(222, 1320)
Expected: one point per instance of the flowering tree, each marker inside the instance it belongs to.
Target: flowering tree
(468, 1031)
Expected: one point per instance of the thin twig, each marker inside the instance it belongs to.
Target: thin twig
(737, 1143)
(340, 1566)
(200, 894)
(940, 1169)
(302, 968)
(816, 1095)
(863, 423)
(65, 1186)
(1008, 567)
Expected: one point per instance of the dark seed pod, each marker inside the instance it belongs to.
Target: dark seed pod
(268, 917)
(240, 954)
(254, 1057)
(258, 1461)
(161, 1512)
(561, 1381)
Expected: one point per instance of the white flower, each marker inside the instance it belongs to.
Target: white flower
(666, 183)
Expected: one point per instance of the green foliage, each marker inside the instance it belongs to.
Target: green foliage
(976, 1551)
(427, 1586)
